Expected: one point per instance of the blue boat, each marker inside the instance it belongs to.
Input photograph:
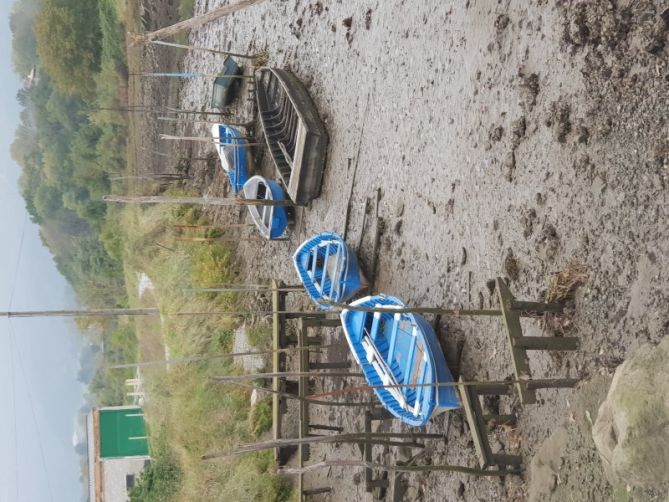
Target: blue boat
(400, 349)
(233, 151)
(329, 269)
(271, 221)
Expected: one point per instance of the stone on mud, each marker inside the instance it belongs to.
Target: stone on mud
(632, 427)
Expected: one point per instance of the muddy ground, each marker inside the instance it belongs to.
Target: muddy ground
(503, 139)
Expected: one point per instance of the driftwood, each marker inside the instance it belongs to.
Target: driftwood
(197, 21)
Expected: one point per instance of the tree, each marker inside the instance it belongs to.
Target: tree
(24, 47)
(68, 45)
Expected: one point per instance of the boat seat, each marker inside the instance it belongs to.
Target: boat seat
(382, 370)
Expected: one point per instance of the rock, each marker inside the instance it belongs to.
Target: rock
(490, 284)
(518, 128)
(529, 89)
(546, 463)
(368, 19)
(496, 133)
(511, 265)
(255, 397)
(509, 164)
(502, 21)
(631, 431)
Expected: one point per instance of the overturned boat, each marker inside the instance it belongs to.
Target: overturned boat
(232, 149)
(397, 349)
(294, 133)
(271, 221)
(329, 269)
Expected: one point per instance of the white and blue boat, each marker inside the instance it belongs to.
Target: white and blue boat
(271, 221)
(329, 269)
(234, 153)
(400, 349)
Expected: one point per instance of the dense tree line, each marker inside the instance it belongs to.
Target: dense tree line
(66, 150)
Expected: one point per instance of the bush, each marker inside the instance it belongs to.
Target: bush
(259, 336)
(260, 418)
(160, 481)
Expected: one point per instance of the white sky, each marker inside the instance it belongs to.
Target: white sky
(44, 466)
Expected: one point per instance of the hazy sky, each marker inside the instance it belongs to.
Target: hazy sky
(37, 460)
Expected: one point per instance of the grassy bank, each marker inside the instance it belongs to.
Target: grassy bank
(188, 415)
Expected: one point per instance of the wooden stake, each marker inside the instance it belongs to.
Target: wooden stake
(283, 374)
(83, 313)
(196, 359)
(415, 310)
(243, 290)
(203, 49)
(209, 122)
(190, 75)
(334, 438)
(203, 201)
(211, 140)
(196, 21)
(495, 387)
(219, 239)
(473, 471)
(309, 401)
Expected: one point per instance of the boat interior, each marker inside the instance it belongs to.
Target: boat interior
(396, 351)
(324, 267)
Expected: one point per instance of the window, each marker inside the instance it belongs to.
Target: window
(129, 481)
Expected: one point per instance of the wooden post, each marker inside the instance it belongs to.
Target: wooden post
(83, 313)
(376, 438)
(320, 427)
(177, 120)
(404, 468)
(212, 140)
(547, 343)
(203, 49)
(196, 21)
(203, 201)
(190, 75)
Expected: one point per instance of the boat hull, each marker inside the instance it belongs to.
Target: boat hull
(234, 155)
(271, 221)
(295, 135)
(413, 405)
(348, 279)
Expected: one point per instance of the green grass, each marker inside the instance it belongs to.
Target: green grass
(260, 418)
(189, 414)
(259, 336)
(186, 11)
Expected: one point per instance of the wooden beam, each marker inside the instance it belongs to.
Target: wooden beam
(477, 427)
(547, 343)
(521, 363)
